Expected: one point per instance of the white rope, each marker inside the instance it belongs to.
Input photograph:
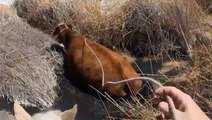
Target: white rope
(102, 69)
(172, 108)
(136, 78)
(169, 100)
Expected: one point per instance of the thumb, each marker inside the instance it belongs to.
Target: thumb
(164, 107)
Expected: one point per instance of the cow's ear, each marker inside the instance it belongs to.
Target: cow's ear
(69, 114)
(20, 113)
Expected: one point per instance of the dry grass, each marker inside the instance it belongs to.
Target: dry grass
(6, 116)
(206, 5)
(44, 14)
(140, 28)
(27, 68)
(202, 84)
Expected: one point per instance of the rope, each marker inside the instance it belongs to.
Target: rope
(169, 99)
(102, 69)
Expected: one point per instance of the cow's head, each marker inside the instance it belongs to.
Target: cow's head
(62, 33)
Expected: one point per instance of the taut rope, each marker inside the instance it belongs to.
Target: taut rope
(172, 108)
(169, 99)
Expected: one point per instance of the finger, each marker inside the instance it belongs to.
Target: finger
(173, 92)
(164, 107)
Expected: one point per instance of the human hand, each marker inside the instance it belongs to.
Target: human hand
(186, 108)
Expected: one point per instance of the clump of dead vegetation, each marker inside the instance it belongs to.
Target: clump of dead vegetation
(26, 66)
(44, 14)
(206, 5)
(142, 27)
(6, 116)
(139, 27)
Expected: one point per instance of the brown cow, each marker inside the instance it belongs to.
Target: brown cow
(81, 58)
